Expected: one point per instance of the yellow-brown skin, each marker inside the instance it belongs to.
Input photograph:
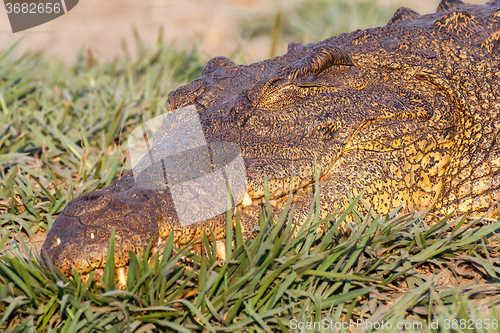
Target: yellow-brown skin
(408, 112)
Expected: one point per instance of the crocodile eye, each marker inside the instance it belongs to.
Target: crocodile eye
(288, 94)
(281, 96)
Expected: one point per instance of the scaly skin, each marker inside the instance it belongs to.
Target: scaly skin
(408, 112)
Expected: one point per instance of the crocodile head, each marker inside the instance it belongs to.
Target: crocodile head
(317, 101)
(406, 113)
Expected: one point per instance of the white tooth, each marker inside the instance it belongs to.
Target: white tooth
(92, 235)
(220, 246)
(121, 273)
(58, 241)
(247, 201)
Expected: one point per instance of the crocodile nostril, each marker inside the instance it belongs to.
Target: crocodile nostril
(217, 63)
(88, 203)
(93, 196)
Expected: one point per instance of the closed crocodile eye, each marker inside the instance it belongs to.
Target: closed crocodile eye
(287, 94)
(281, 96)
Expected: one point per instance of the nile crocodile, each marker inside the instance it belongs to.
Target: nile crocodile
(407, 113)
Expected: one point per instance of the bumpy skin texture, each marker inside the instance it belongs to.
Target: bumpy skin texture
(408, 112)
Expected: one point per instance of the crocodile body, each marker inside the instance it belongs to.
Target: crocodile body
(407, 113)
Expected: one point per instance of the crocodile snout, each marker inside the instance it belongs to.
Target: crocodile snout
(80, 236)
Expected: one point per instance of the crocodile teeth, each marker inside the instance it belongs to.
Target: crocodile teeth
(121, 273)
(221, 248)
(247, 201)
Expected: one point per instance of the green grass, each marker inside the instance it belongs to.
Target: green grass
(61, 132)
(61, 128)
(269, 281)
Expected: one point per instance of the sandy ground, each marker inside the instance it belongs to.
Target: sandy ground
(101, 25)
